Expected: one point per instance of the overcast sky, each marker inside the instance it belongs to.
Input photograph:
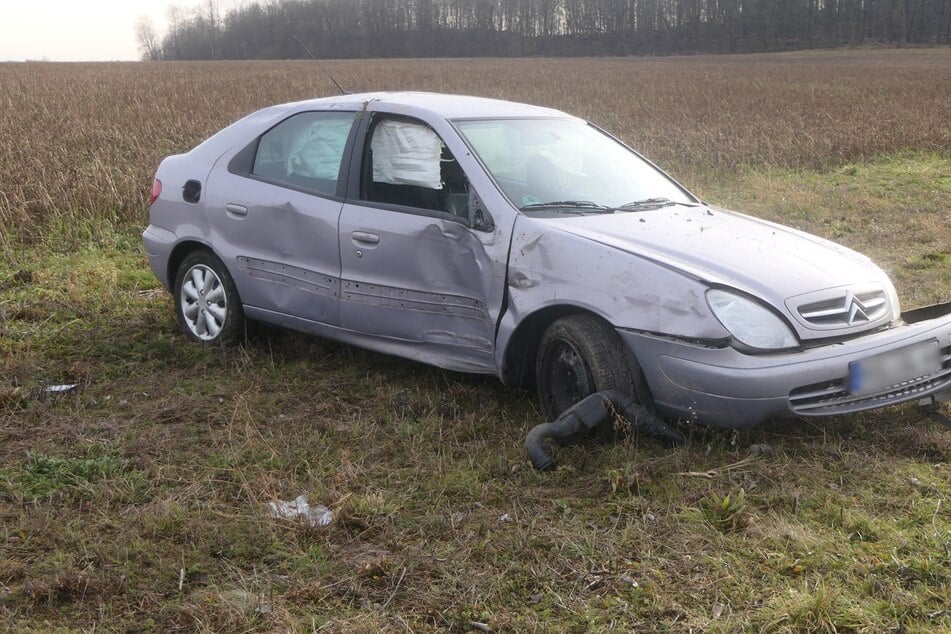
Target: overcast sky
(79, 30)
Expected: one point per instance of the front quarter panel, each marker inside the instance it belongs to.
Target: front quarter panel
(551, 267)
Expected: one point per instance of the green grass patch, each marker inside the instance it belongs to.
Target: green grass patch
(42, 476)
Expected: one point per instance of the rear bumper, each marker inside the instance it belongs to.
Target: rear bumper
(158, 245)
(726, 388)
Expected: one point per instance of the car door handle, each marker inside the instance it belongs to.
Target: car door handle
(364, 237)
(236, 210)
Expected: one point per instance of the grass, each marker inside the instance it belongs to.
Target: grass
(139, 501)
(40, 476)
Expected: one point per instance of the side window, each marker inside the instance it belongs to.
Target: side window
(407, 164)
(305, 150)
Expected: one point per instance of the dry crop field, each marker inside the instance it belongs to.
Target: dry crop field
(139, 500)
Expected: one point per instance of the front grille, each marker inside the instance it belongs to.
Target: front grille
(833, 397)
(846, 310)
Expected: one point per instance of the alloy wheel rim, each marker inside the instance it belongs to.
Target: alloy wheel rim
(204, 302)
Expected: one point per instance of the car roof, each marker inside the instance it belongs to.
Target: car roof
(413, 104)
(439, 104)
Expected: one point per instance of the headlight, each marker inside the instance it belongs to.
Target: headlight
(750, 322)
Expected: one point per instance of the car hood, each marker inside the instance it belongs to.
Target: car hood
(720, 246)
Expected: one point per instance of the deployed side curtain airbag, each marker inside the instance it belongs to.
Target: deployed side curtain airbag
(316, 152)
(406, 154)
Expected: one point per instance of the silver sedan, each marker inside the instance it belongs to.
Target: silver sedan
(500, 238)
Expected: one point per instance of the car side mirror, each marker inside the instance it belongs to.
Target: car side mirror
(479, 217)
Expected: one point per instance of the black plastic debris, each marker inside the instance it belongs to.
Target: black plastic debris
(588, 414)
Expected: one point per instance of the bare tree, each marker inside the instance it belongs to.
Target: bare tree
(266, 29)
(147, 39)
(171, 43)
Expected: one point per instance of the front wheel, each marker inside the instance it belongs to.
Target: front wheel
(206, 300)
(579, 355)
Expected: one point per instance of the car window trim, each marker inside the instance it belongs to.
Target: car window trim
(296, 188)
(410, 211)
(356, 157)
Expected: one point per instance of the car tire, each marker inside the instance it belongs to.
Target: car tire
(579, 355)
(206, 300)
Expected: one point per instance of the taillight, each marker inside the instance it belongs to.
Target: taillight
(156, 191)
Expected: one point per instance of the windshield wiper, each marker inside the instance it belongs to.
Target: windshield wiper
(574, 205)
(652, 203)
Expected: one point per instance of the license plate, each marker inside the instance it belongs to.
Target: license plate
(878, 373)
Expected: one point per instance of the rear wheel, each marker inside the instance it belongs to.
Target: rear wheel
(206, 300)
(579, 355)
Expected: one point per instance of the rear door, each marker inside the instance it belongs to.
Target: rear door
(422, 260)
(274, 209)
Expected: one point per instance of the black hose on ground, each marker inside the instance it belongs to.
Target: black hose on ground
(587, 414)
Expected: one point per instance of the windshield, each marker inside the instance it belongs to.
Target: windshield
(546, 164)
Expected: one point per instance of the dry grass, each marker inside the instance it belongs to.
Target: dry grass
(80, 141)
(138, 502)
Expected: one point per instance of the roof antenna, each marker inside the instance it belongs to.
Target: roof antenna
(314, 57)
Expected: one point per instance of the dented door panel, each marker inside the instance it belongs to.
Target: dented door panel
(422, 280)
(283, 253)
(425, 279)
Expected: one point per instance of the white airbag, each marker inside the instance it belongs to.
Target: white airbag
(316, 152)
(406, 154)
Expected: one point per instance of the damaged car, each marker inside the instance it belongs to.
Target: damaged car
(492, 237)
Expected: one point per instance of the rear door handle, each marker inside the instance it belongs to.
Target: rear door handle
(236, 210)
(365, 237)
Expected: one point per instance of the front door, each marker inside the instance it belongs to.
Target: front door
(421, 261)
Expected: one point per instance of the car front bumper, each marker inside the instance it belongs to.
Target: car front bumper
(723, 387)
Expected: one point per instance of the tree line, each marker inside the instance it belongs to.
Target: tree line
(475, 28)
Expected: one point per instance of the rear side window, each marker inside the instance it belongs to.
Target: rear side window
(305, 150)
